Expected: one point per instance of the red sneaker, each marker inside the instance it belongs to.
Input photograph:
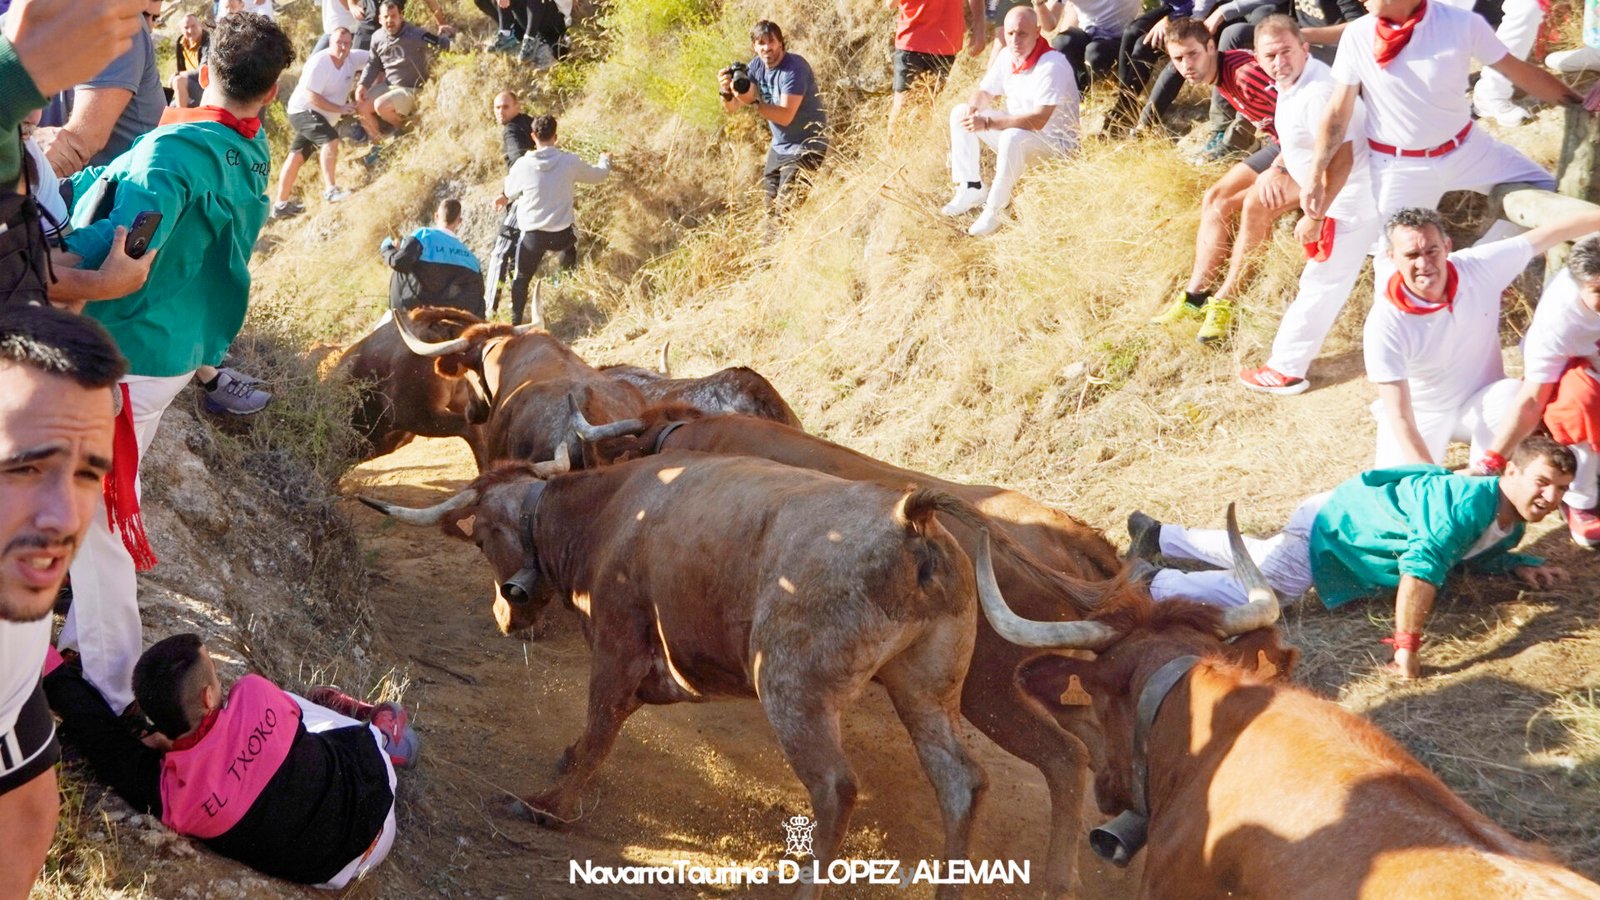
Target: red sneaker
(1271, 381)
(1585, 527)
(340, 702)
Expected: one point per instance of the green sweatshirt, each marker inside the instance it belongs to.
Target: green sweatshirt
(208, 182)
(1408, 520)
(18, 97)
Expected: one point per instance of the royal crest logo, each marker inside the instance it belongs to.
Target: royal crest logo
(797, 836)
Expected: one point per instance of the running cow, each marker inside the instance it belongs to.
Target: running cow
(1252, 788)
(703, 577)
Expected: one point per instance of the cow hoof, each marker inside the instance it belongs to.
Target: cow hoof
(567, 757)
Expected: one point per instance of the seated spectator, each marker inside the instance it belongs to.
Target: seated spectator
(784, 92)
(1141, 46)
(395, 71)
(192, 49)
(369, 14)
(927, 38)
(1040, 120)
(1088, 33)
(98, 120)
(541, 184)
(1259, 186)
(320, 99)
(1404, 528)
(315, 804)
(1560, 387)
(259, 7)
(229, 7)
(1518, 29)
(433, 268)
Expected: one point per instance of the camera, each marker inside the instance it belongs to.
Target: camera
(739, 77)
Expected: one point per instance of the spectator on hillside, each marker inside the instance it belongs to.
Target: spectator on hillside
(369, 15)
(1518, 29)
(313, 804)
(399, 64)
(56, 437)
(320, 99)
(1401, 529)
(1040, 120)
(1088, 33)
(259, 7)
(516, 139)
(98, 120)
(784, 92)
(191, 49)
(1260, 185)
(927, 39)
(229, 7)
(541, 184)
(206, 174)
(336, 14)
(433, 268)
(1142, 45)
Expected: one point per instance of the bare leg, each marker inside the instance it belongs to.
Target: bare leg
(27, 826)
(1221, 203)
(1255, 222)
(287, 176)
(369, 119)
(329, 155)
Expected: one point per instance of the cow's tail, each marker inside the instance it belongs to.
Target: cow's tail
(919, 506)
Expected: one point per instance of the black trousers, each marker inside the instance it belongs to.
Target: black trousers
(781, 170)
(1089, 55)
(1135, 61)
(531, 249)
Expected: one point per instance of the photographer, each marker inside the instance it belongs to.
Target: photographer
(782, 89)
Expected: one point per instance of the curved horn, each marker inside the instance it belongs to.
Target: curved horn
(425, 348)
(1026, 633)
(524, 329)
(561, 464)
(1263, 609)
(432, 515)
(535, 307)
(591, 433)
(665, 365)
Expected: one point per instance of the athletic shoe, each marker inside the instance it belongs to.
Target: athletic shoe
(1216, 150)
(335, 194)
(1179, 310)
(373, 155)
(288, 209)
(1585, 527)
(1504, 112)
(544, 56)
(1583, 59)
(1144, 536)
(400, 741)
(988, 222)
(966, 199)
(504, 42)
(330, 697)
(235, 396)
(1271, 381)
(1219, 320)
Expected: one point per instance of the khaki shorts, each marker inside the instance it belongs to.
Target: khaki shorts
(401, 100)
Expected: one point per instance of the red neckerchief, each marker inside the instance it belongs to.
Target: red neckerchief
(122, 499)
(1040, 45)
(247, 128)
(1401, 297)
(197, 735)
(1320, 249)
(1393, 36)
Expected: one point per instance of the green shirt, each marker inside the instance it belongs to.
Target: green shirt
(1410, 520)
(18, 97)
(208, 182)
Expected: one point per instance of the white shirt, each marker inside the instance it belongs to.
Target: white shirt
(1106, 17)
(259, 7)
(1447, 356)
(21, 663)
(1492, 535)
(1420, 99)
(322, 76)
(335, 15)
(1563, 329)
(1049, 83)
(1298, 117)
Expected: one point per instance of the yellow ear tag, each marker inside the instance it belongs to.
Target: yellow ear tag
(1075, 695)
(1264, 666)
(467, 524)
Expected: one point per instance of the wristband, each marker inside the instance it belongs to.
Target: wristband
(1492, 462)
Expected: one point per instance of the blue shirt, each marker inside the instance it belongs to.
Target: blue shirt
(806, 132)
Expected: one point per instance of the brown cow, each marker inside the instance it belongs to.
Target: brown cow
(737, 389)
(1254, 788)
(702, 577)
(990, 698)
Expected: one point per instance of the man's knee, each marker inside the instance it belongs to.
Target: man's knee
(957, 113)
(27, 826)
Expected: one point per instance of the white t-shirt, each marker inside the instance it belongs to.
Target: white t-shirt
(1420, 99)
(1106, 17)
(1447, 356)
(21, 663)
(1563, 329)
(1298, 117)
(335, 15)
(259, 7)
(322, 76)
(1049, 83)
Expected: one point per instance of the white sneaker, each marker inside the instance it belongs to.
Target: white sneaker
(1583, 59)
(335, 194)
(988, 222)
(1504, 112)
(966, 199)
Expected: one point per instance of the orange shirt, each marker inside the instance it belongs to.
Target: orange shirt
(931, 26)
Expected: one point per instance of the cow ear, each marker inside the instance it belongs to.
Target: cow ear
(460, 526)
(1059, 683)
(452, 366)
(1263, 652)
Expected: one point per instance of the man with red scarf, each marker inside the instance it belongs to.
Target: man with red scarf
(1432, 340)
(1040, 120)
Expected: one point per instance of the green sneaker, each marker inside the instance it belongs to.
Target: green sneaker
(1219, 321)
(1179, 310)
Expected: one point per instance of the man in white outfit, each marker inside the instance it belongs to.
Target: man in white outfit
(1519, 28)
(1040, 120)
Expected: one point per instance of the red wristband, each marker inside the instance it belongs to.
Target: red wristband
(1405, 640)
(1492, 462)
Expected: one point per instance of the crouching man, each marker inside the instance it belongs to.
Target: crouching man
(1040, 120)
(314, 801)
(1403, 528)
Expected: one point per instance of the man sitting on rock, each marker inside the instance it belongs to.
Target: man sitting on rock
(282, 783)
(433, 268)
(1402, 528)
(395, 72)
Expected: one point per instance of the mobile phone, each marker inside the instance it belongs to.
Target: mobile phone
(144, 228)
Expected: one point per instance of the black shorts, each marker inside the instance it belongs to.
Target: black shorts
(1260, 160)
(909, 66)
(30, 746)
(311, 132)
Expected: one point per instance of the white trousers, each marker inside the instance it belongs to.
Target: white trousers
(1498, 402)
(1477, 165)
(1474, 422)
(318, 719)
(1324, 288)
(103, 624)
(1014, 149)
(1284, 559)
(1519, 28)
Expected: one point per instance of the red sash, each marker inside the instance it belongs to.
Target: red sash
(1401, 298)
(1393, 36)
(1040, 45)
(120, 488)
(1573, 415)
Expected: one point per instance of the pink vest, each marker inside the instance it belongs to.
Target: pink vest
(206, 789)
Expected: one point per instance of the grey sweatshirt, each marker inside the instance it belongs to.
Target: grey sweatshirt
(541, 184)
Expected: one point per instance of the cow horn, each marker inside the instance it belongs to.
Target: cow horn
(666, 360)
(561, 464)
(591, 433)
(524, 329)
(1262, 610)
(536, 307)
(432, 515)
(1025, 633)
(425, 348)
